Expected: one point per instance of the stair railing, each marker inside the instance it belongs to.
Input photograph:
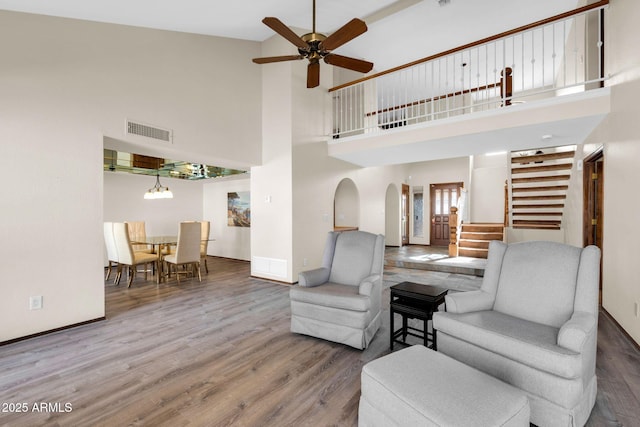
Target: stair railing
(552, 57)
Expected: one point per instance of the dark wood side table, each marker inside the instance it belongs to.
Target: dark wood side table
(414, 301)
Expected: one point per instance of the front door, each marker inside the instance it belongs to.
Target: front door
(443, 196)
(405, 214)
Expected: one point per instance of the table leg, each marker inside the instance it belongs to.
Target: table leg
(404, 328)
(391, 333)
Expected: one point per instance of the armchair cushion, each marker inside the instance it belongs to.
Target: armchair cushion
(529, 343)
(332, 295)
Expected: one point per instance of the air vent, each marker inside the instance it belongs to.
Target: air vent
(147, 131)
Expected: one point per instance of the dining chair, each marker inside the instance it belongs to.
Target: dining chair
(138, 233)
(187, 250)
(112, 252)
(204, 243)
(127, 256)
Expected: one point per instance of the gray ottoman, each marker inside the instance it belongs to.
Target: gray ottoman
(417, 386)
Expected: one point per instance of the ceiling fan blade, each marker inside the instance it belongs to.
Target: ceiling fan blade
(347, 32)
(276, 25)
(269, 59)
(313, 74)
(348, 63)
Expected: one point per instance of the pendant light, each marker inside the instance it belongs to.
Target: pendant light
(158, 191)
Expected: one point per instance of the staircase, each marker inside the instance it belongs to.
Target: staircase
(474, 239)
(539, 184)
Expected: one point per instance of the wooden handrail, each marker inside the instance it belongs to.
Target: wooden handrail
(546, 21)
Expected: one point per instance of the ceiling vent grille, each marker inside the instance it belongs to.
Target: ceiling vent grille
(147, 131)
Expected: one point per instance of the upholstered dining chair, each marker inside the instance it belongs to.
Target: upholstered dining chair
(127, 256)
(187, 250)
(204, 243)
(137, 233)
(112, 252)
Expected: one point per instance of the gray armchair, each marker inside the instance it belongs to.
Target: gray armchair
(340, 301)
(533, 324)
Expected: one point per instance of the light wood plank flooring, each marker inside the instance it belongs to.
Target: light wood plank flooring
(220, 353)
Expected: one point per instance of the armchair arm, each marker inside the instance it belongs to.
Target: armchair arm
(366, 286)
(465, 302)
(575, 333)
(316, 277)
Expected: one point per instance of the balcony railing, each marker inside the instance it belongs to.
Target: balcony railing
(553, 57)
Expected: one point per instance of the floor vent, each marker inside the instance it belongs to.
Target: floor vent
(153, 132)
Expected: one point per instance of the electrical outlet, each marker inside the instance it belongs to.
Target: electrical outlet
(35, 303)
(636, 308)
(304, 262)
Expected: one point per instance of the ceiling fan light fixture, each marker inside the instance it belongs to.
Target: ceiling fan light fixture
(316, 46)
(158, 191)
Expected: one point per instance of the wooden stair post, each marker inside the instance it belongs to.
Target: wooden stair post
(453, 232)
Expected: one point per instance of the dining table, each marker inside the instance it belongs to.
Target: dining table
(158, 244)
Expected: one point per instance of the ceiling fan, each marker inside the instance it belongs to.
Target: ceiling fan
(316, 46)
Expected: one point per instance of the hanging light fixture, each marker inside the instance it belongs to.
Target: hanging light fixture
(158, 191)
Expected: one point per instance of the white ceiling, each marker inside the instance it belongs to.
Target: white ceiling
(400, 31)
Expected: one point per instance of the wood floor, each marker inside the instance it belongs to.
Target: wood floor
(220, 353)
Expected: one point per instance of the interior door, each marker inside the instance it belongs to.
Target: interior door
(405, 214)
(593, 186)
(443, 196)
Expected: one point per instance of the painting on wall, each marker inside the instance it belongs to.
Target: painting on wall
(239, 209)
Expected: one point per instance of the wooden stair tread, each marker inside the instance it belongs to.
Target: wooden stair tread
(544, 157)
(538, 206)
(537, 227)
(540, 188)
(543, 168)
(473, 252)
(549, 197)
(543, 178)
(537, 213)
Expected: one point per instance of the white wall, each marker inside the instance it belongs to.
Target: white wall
(66, 84)
(271, 183)
(229, 242)
(621, 286)
(124, 201)
(488, 176)
(393, 215)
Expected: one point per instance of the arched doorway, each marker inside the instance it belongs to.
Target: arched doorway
(346, 206)
(392, 217)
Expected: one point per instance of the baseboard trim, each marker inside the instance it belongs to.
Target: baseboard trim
(51, 331)
(620, 328)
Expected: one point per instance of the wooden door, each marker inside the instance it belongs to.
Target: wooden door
(443, 196)
(405, 214)
(593, 187)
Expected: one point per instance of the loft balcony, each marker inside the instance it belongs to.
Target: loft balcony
(540, 84)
